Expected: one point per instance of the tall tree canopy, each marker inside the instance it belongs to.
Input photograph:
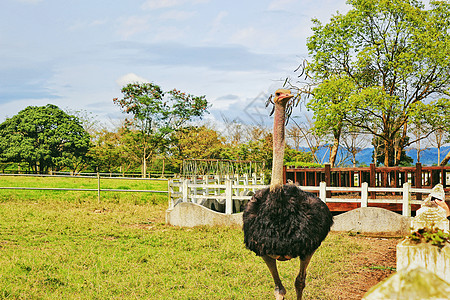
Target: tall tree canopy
(44, 137)
(397, 55)
(157, 114)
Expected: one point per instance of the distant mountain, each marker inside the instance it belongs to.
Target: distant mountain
(428, 157)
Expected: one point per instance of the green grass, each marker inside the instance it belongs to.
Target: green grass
(66, 245)
(82, 183)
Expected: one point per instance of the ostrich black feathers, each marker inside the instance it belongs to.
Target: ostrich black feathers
(286, 222)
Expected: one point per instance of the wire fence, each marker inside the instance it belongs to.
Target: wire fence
(85, 175)
(102, 174)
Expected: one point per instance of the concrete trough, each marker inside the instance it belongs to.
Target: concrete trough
(364, 220)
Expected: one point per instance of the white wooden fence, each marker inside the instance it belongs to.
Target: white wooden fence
(210, 190)
(228, 191)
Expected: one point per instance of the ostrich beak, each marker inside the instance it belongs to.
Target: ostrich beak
(282, 96)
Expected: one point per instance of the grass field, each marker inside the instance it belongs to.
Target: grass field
(66, 245)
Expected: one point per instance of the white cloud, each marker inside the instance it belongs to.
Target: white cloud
(156, 4)
(170, 34)
(177, 15)
(86, 24)
(130, 78)
(217, 22)
(254, 38)
(280, 4)
(30, 1)
(132, 25)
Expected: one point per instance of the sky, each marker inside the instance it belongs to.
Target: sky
(78, 54)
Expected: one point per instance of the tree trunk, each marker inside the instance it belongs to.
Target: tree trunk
(333, 152)
(144, 164)
(439, 153)
(445, 160)
(335, 147)
(386, 153)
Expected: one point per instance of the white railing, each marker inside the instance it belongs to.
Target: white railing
(231, 191)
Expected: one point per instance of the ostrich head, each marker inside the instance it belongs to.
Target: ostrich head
(281, 100)
(282, 96)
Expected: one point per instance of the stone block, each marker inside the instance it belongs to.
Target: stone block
(410, 284)
(425, 255)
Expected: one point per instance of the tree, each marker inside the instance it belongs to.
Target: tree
(313, 139)
(329, 104)
(396, 53)
(354, 142)
(107, 152)
(195, 143)
(157, 114)
(44, 137)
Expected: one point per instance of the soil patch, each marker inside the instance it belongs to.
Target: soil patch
(375, 263)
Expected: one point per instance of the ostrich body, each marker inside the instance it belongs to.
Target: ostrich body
(283, 222)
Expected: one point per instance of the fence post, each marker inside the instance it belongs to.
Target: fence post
(228, 197)
(194, 192)
(372, 179)
(98, 187)
(418, 183)
(185, 191)
(364, 194)
(169, 191)
(323, 191)
(406, 207)
(205, 185)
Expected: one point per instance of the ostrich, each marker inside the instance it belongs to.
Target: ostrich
(282, 222)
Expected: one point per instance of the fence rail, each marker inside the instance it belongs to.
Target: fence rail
(226, 192)
(98, 189)
(8, 172)
(230, 196)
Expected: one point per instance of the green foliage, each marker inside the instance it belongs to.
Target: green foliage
(107, 151)
(374, 64)
(403, 158)
(194, 142)
(330, 103)
(298, 158)
(156, 112)
(44, 137)
(156, 115)
(434, 236)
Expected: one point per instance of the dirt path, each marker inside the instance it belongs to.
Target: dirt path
(368, 270)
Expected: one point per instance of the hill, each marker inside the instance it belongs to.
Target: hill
(428, 157)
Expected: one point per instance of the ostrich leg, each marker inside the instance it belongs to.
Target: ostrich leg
(300, 280)
(271, 263)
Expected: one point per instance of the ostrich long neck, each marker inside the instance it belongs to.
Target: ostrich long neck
(278, 145)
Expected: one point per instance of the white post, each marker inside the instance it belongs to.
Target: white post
(228, 197)
(194, 190)
(170, 191)
(246, 183)
(406, 207)
(205, 183)
(185, 191)
(364, 194)
(217, 181)
(98, 187)
(323, 191)
(237, 179)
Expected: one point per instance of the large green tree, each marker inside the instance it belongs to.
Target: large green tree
(157, 114)
(396, 53)
(330, 106)
(44, 137)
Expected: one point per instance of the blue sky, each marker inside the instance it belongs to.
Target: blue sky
(77, 54)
